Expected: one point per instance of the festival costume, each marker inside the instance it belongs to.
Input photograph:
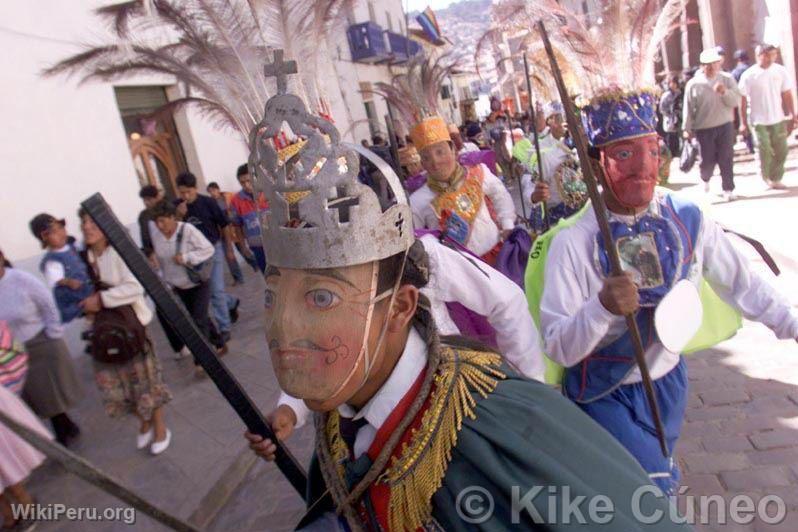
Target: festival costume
(448, 416)
(472, 211)
(567, 192)
(669, 243)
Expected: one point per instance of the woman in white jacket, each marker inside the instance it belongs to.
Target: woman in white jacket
(178, 246)
(135, 385)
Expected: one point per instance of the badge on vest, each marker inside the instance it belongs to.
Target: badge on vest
(639, 256)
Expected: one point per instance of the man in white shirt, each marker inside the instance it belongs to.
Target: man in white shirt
(663, 242)
(767, 92)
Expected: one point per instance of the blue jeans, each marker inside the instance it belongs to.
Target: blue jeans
(260, 257)
(221, 301)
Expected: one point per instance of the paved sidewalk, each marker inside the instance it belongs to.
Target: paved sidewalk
(207, 434)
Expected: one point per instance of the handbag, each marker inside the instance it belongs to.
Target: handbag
(13, 360)
(200, 273)
(689, 155)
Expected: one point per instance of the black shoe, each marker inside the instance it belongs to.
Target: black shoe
(234, 311)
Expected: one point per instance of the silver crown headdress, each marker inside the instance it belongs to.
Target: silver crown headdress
(320, 215)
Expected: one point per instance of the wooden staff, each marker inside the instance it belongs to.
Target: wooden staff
(535, 137)
(600, 209)
(85, 470)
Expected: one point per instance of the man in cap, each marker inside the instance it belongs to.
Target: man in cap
(559, 192)
(767, 92)
(63, 268)
(710, 98)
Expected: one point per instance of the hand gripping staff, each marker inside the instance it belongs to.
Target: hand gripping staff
(578, 134)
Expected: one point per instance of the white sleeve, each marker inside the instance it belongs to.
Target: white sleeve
(742, 86)
(301, 411)
(417, 206)
(730, 275)
(572, 321)
(502, 200)
(127, 291)
(786, 84)
(527, 188)
(196, 246)
(53, 273)
(484, 290)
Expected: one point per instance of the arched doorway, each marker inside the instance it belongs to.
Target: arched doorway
(153, 140)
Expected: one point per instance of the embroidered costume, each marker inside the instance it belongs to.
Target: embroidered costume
(472, 211)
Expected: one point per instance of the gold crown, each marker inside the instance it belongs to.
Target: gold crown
(429, 131)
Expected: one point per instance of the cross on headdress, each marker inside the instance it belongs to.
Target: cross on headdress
(280, 70)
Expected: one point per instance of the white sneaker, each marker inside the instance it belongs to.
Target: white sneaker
(706, 186)
(143, 440)
(183, 353)
(160, 446)
(777, 185)
(729, 195)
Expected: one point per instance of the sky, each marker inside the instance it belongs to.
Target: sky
(418, 5)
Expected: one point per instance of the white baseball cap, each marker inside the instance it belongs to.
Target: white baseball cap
(710, 55)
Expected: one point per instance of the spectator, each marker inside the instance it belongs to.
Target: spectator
(52, 386)
(204, 213)
(150, 195)
(767, 91)
(246, 215)
(179, 246)
(670, 106)
(710, 99)
(134, 386)
(741, 56)
(223, 201)
(61, 266)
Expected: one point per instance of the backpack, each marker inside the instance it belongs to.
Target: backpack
(116, 334)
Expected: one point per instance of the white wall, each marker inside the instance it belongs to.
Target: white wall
(60, 141)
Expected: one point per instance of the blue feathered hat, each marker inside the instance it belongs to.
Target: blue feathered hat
(617, 114)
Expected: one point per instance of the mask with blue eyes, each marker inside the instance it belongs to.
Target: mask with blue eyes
(631, 169)
(315, 326)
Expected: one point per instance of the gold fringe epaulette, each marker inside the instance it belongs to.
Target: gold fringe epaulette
(417, 472)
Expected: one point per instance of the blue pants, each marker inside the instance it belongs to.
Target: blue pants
(221, 301)
(625, 414)
(260, 257)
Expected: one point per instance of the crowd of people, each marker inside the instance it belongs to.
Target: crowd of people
(712, 106)
(188, 240)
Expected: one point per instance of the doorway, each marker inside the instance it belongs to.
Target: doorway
(153, 140)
